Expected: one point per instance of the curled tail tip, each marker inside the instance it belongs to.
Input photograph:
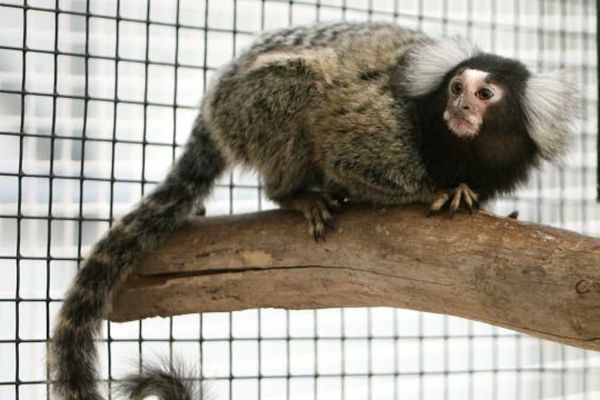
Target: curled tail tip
(165, 380)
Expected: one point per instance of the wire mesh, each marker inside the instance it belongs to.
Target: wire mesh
(96, 99)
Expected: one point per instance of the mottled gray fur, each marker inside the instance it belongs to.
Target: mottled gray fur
(303, 106)
(309, 108)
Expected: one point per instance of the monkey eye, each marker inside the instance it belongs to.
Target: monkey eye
(456, 87)
(485, 94)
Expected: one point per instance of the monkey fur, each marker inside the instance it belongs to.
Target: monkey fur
(323, 112)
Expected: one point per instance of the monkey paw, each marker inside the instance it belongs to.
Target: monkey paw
(454, 198)
(316, 207)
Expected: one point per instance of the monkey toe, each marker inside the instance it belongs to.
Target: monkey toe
(454, 198)
(325, 214)
(463, 194)
(455, 203)
(313, 230)
(470, 197)
(439, 200)
(318, 221)
(316, 208)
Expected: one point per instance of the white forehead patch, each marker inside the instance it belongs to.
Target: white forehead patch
(475, 75)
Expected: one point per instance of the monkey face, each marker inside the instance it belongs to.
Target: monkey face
(470, 92)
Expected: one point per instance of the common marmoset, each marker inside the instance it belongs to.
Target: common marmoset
(371, 112)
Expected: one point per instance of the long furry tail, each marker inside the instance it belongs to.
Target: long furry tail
(72, 353)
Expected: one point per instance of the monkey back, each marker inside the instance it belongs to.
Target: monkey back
(314, 107)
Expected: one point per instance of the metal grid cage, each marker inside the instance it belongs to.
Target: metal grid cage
(96, 98)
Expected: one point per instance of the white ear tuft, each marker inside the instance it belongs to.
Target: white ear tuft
(428, 63)
(551, 107)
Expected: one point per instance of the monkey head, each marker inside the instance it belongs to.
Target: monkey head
(481, 98)
(483, 101)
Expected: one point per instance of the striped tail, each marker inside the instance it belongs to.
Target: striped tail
(72, 353)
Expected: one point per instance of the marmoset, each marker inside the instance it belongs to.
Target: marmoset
(371, 112)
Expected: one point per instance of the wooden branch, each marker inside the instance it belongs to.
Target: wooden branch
(534, 279)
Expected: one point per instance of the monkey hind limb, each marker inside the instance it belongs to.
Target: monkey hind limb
(72, 353)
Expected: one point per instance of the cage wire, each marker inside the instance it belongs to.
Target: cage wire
(97, 98)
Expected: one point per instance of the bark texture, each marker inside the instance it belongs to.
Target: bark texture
(534, 279)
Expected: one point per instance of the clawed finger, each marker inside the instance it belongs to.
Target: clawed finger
(463, 194)
(327, 218)
(438, 202)
(319, 231)
(317, 214)
(455, 204)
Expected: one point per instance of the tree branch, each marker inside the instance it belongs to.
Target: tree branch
(534, 279)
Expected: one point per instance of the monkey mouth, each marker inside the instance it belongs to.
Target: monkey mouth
(461, 127)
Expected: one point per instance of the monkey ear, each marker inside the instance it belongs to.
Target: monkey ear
(551, 106)
(428, 63)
